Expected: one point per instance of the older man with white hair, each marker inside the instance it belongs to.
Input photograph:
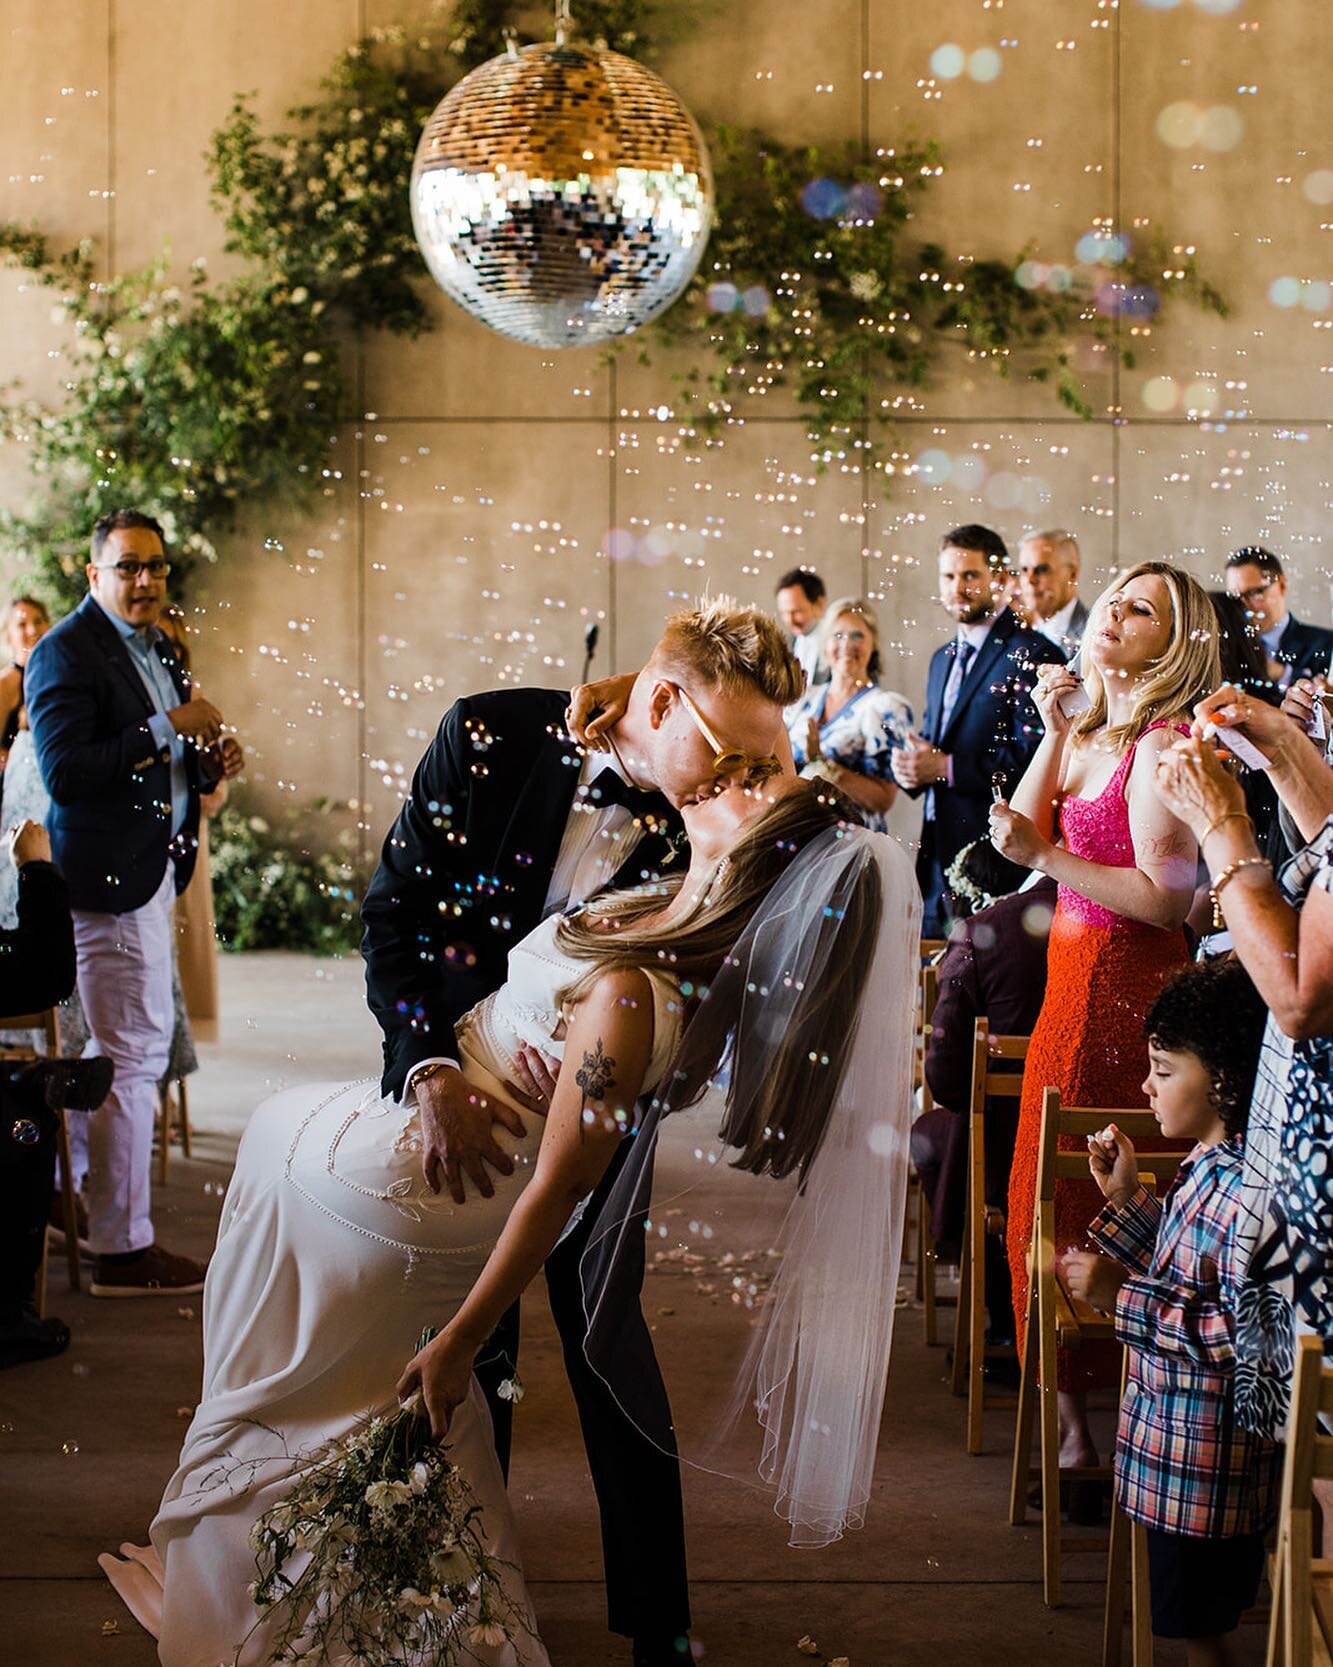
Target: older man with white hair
(1048, 565)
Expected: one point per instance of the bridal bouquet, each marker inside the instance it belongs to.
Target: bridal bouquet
(374, 1555)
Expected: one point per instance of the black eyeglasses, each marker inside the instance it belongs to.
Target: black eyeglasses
(1255, 593)
(156, 567)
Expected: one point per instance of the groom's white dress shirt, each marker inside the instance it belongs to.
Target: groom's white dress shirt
(596, 839)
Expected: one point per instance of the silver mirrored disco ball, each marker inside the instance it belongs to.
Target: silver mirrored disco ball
(562, 195)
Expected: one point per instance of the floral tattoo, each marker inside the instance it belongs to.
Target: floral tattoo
(597, 1073)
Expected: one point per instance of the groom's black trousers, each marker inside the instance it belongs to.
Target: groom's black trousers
(637, 1485)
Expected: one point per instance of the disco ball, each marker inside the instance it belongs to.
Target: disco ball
(562, 195)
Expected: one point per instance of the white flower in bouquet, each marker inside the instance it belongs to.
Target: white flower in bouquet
(376, 1554)
(383, 1496)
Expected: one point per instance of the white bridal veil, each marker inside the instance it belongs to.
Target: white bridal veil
(803, 1269)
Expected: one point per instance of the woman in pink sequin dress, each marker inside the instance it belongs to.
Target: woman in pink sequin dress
(1087, 813)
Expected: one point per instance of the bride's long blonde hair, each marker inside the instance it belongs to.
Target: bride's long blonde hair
(791, 1081)
(692, 944)
(1189, 670)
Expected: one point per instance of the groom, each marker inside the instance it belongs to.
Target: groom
(507, 821)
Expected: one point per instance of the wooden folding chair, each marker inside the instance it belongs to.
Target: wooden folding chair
(1127, 1559)
(1055, 1321)
(1300, 1628)
(165, 1106)
(990, 1080)
(47, 1022)
(928, 990)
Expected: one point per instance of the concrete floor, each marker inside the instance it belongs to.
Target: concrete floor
(937, 1577)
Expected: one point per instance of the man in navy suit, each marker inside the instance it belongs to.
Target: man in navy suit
(125, 743)
(980, 723)
(1294, 649)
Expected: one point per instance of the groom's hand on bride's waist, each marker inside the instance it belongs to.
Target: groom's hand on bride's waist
(457, 1133)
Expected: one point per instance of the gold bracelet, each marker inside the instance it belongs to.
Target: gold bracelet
(1226, 816)
(1224, 878)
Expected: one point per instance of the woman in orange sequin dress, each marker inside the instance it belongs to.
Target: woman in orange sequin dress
(1126, 870)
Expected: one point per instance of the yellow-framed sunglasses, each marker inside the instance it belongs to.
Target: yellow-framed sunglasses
(728, 761)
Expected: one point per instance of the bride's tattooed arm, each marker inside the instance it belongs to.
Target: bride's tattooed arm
(611, 1034)
(596, 1080)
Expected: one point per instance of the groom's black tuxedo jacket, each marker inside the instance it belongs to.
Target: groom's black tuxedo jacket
(466, 867)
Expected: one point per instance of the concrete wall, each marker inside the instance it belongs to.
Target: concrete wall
(464, 545)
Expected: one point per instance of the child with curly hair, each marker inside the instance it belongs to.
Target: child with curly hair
(1205, 1490)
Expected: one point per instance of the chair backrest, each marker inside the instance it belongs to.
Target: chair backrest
(1058, 1120)
(44, 1021)
(989, 1055)
(931, 948)
(1309, 1458)
(927, 994)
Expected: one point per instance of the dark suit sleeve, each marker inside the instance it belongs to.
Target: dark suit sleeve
(929, 718)
(418, 985)
(64, 702)
(948, 1063)
(1017, 723)
(1311, 649)
(37, 965)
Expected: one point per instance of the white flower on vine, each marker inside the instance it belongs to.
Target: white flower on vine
(300, 295)
(487, 1635)
(419, 1480)
(511, 1389)
(409, 1598)
(311, 358)
(865, 286)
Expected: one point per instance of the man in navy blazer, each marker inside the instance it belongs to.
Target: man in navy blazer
(1294, 647)
(125, 743)
(981, 728)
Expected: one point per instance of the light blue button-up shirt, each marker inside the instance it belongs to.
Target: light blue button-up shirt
(1272, 640)
(162, 692)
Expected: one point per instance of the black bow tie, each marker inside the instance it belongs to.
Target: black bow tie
(610, 788)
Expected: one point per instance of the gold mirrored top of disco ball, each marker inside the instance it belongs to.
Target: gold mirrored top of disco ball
(562, 195)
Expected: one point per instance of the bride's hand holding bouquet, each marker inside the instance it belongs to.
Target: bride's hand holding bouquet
(441, 1373)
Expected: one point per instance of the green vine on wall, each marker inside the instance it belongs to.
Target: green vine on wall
(197, 401)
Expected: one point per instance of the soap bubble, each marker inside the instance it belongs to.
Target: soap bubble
(948, 61)
(1318, 187)
(1221, 128)
(1159, 393)
(934, 466)
(823, 199)
(984, 64)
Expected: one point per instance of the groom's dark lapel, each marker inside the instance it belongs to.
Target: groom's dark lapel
(542, 790)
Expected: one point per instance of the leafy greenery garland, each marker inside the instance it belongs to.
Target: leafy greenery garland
(197, 401)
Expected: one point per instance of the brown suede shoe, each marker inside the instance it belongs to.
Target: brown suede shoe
(154, 1272)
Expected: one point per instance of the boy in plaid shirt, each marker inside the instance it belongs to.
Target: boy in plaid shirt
(1205, 1490)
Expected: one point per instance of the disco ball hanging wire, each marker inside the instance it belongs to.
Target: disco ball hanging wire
(562, 194)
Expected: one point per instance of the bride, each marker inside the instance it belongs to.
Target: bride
(332, 1253)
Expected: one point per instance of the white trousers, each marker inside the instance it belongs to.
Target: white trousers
(125, 988)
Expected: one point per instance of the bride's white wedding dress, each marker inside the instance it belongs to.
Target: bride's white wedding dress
(331, 1255)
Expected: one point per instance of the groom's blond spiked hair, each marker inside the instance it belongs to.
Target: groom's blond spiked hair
(720, 645)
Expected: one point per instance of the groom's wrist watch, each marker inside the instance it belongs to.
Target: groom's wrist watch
(417, 1077)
